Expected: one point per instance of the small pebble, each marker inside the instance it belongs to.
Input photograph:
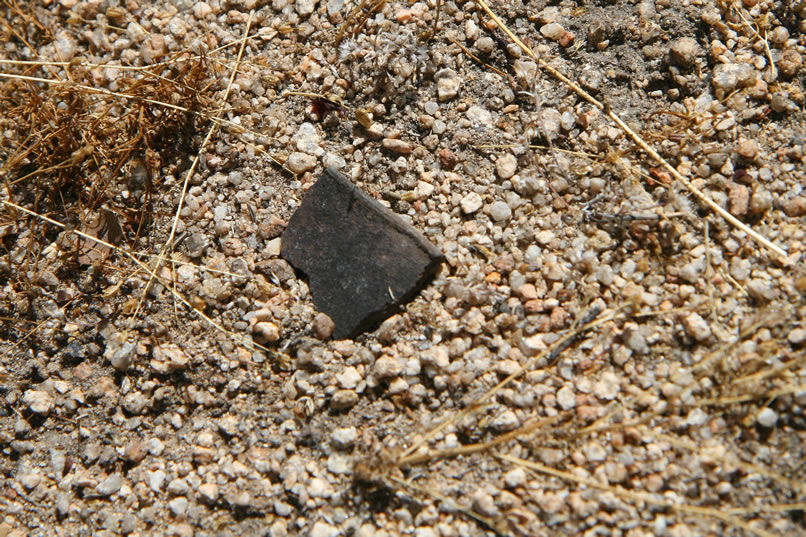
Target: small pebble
(506, 166)
(30, 480)
(179, 506)
(323, 326)
(506, 421)
(747, 148)
(738, 200)
(343, 399)
(479, 116)
(485, 44)
(348, 378)
(40, 402)
(684, 51)
(484, 503)
(552, 31)
(119, 350)
(515, 478)
(767, 417)
(594, 452)
(305, 7)
(790, 63)
(532, 345)
(500, 211)
(128, 524)
(155, 480)
(697, 327)
(178, 487)
(696, 418)
(323, 529)
(397, 146)
(797, 336)
(471, 203)
(209, 491)
(387, 367)
(110, 485)
(344, 438)
(760, 201)
(795, 207)
(267, 330)
(308, 140)
(448, 83)
(761, 290)
(339, 464)
(300, 162)
(727, 77)
(566, 398)
(549, 122)
(607, 388)
(550, 502)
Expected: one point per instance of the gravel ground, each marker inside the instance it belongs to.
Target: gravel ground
(211, 400)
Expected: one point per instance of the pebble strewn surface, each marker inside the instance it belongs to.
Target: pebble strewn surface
(688, 396)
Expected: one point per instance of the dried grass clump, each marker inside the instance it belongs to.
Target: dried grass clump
(71, 150)
(79, 145)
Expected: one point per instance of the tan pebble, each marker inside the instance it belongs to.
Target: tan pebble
(343, 399)
(550, 502)
(654, 482)
(684, 51)
(447, 159)
(790, 63)
(527, 291)
(738, 199)
(552, 31)
(323, 326)
(209, 491)
(387, 367)
(534, 305)
(203, 454)
(403, 16)
(397, 146)
(267, 330)
(558, 318)
(493, 277)
(135, 451)
(589, 412)
(796, 207)
(747, 148)
(566, 39)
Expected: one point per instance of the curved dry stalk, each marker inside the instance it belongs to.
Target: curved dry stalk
(146, 268)
(699, 194)
(551, 352)
(169, 243)
(532, 426)
(639, 496)
(499, 526)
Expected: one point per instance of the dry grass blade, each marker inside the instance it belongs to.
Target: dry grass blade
(169, 243)
(642, 497)
(784, 259)
(152, 272)
(534, 428)
(549, 354)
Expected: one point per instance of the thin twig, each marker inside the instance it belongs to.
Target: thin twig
(143, 266)
(192, 170)
(640, 142)
(549, 354)
(638, 495)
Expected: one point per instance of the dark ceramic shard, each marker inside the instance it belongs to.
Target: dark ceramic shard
(362, 261)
